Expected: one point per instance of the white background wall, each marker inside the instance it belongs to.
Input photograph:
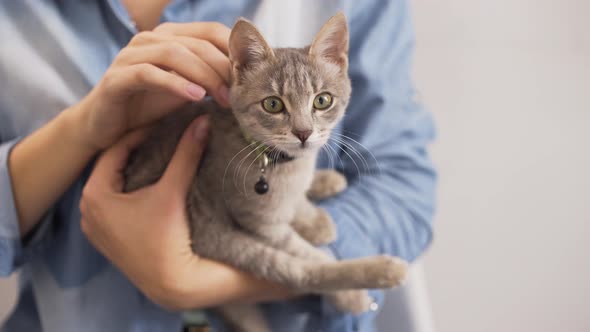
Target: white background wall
(509, 84)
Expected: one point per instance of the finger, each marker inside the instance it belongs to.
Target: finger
(148, 77)
(200, 47)
(214, 32)
(185, 161)
(108, 171)
(210, 54)
(175, 56)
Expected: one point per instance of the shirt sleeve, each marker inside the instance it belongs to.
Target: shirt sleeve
(14, 251)
(388, 207)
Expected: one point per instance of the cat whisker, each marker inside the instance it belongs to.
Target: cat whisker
(329, 154)
(355, 152)
(336, 154)
(326, 147)
(352, 133)
(236, 175)
(249, 166)
(237, 170)
(376, 162)
(363, 146)
(230, 162)
(358, 170)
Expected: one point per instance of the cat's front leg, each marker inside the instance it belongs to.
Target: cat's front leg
(246, 251)
(314, 224)
(285, 238)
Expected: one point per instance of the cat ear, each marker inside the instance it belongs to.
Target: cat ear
(247, 47)
(331, 43)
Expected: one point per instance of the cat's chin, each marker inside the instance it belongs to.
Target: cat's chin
(299, 150)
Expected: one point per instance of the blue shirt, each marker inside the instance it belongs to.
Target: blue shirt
(53, 52)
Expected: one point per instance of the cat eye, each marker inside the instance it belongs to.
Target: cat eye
(272, 104)
(322, 101)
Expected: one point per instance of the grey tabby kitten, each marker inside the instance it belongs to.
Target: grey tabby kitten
(287, 100)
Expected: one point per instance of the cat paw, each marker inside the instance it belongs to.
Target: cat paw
(320, 231)
(387, 271)
(353, 301)
(326, 183)
(324, 230)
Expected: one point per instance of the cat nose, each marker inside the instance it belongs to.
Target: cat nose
(303, 135)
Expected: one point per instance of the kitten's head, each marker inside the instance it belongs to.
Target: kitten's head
(290, 98)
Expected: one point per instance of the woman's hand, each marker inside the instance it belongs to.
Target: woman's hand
(157, 72)
(154, 74)
(146, 235)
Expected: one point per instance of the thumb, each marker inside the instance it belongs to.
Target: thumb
(108, 170)
(186, 158)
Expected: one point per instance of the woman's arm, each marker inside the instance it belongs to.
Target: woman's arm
(46, 163)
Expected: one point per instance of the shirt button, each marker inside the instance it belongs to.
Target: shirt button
(374, 306)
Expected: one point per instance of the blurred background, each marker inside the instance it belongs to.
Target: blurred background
(508, 82)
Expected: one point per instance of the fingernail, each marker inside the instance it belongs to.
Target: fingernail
(195, 91)
(224, 94)
(202, 128)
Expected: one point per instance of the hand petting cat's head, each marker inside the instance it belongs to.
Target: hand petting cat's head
(290, 98)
